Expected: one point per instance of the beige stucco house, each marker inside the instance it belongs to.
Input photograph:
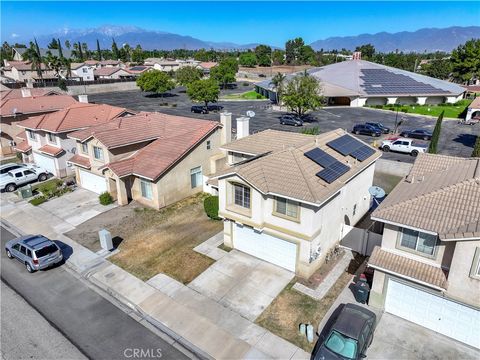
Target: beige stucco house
(427, 269)
(286, 197)
(153, 158)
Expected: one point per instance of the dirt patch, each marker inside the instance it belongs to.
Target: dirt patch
(155, 241)
(317, 277)
(291, 308)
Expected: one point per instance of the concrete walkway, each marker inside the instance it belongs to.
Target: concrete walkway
(187, 316)
(210, 247)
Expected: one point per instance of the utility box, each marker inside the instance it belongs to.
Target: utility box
(26, 191)
(105, 239)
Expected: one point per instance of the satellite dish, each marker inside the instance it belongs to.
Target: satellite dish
(250, 113)
(377, 192)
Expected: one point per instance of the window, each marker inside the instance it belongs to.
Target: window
(196, 177)
(354, 210)
(241, 195)
(344, 346)
(475, 269)
(418, 241)
(85, 148)
(16, 247)
(29, 253)
(85, 70)
(31, 134)
(23, 250)
(98, 153)
(286, 207)
(51, 138)
(146, 188)
(29, 172)
(209, 145)
(18, 174)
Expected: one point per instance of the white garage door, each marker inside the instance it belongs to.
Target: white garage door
(46, 162)
(265, 247)
(92, 182)
(447, 317)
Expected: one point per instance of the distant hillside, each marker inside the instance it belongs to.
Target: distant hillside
(417, 41)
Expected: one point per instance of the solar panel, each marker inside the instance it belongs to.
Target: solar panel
(333, 172)
(363, 153)
(320, 157)
(345, 144)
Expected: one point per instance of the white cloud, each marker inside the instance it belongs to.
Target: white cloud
(14, 35)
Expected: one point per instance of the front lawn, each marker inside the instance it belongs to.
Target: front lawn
(249, 95)
(456, 110)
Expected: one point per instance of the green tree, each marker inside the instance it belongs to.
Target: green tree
(306, 55)
(60, 51)
(188, 74)
(67, 44)
(115, 52)
(466, 61)
(6, 52)
(99, 51)
(33, 56)
(367, 50)
(293, 50)
(62, 84)
(54, 63)
(224, 72)
(248, 59)
(438, 68)
(264, 55)
(278, 57)
(137, 54)
(155, 81)
(432, 148)
(127, 52)
(302, 94)
(205, 91)
(53, 44)
(476, 148)
(278, 82)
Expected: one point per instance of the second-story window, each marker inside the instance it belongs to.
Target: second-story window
(31, 134)
(418, 241)
(51, 138)
(98, 153)
(85, 148)
(241, 195)
(286, 207)
(209, 145)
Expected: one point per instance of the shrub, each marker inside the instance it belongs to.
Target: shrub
(259, 96)
(38, 200)
(404, 110)
(311, 131)
(245, 83)
(49, 189)
(105, 198)
(476, 148)
(210, 204)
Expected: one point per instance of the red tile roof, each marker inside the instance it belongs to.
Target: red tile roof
(22, 135)
(91, 62)
(208, 65)
(24, 65)
(17, 93)
(74, 117)
(32, 105)
(23, 147)
(80, 161)
(106, 71)
(110, 62)
(50, 150)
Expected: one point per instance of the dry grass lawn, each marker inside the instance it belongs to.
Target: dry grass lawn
(163, 241)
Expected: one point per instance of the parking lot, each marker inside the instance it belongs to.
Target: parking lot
(455, 140)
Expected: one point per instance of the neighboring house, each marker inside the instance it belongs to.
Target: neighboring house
(153, 158)
(13, 110)
(163, 64)
(473, 110)
(47, 143)
(283, 207)
(23, 71)
(206, 66)
(111, 63)
(139, 69)
(111, 73)
(82, 71)
(427, 269)
(18, 53)
(28, 92)
(94, 63)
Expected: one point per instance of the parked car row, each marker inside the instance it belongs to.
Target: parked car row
(201, 109)
(14, 175)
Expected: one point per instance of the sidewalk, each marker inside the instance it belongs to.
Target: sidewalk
(182, 313)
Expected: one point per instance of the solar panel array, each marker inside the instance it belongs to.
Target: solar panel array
(380, 81)
(333, 168)
(348, 145)
(138, 68)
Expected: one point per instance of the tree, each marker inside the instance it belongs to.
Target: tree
(438, 68)
(116, 54)
(188, 74)
(53, 44)
(432, 148)
(54, 63)
(476, 148)
(292, 50)
(60, 51)
(278, 57)
(248, 59)
(205, 91)
(306, 55)
(224, 72)
(127, 52)
(33, 56)
(155, 81)
(67, 44)
(264, 55)
(99, 51)
(80, 51)
(137, 54)
(278, 82)
(367, 50)
(466, 61)
(6, 52)
(62, 84)
(302, 94)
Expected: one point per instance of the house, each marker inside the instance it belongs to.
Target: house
(82, 71)
(473, 110)
(94, 63)
(286, 197)
(207, 66)
(13, 110)
(427, 269)
(28, 92)
(46, 141)
(138, 70)
(18, 53)
(163, 64)
(23, 71)
(110, 72)
(153, 158)
(111, 63)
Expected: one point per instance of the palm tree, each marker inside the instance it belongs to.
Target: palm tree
(99, 51)
(33, 56)
(128, 51)
(278, 83)
(67, 44)
(54, 63)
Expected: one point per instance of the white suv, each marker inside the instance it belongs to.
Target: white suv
(20, 176)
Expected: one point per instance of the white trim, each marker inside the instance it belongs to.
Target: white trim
(404, 226)
(460, 239)
(242, 152)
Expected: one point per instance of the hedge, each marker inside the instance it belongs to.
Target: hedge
(38, 200)
(210, 204)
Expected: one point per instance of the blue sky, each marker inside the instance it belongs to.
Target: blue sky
(241, 22)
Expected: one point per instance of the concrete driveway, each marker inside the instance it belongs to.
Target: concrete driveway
(242, 283)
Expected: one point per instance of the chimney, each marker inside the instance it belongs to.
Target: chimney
(30, 83)
(243, 127)
(26, 92)
(83, 98)
(357, 55)
(226, 134)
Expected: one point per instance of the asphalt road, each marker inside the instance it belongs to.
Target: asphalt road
(94, 325)
(455, 139)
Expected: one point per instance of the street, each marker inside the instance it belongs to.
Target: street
(92, 324)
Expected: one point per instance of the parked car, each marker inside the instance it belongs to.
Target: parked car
(403, 145)
(366, 130)
(349, 336)
(18, 177)
(13, 166)
(417, 134)
(291, 119)
(199, 109)
(379, 126)
(215, 107)
(36, 252)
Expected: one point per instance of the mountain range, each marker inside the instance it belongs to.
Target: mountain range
(429, 39)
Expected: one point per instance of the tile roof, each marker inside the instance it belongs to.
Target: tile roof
(107, 71)
(80, 161)
(50, 150)
(23, 146)
(24, 65)
(475, 104)
(75, 66)
(74, 117)
(91, 62)
(286, 171)
(404, 266)
(22, 135)
(174, 136)
(17, 93)
(208, 64)
(441, 194)
(31, 105)
(110, 62)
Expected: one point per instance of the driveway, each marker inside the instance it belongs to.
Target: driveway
(242, 283)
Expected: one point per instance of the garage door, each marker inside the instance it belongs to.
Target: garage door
(92, 182)
(46, 162)
(265, 247)
(447, 317)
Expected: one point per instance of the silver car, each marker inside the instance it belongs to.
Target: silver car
(36, 252)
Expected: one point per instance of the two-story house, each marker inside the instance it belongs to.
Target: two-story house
(286, 197)
(82, 71)
(46, 135)
(427, 269)
(153, 158)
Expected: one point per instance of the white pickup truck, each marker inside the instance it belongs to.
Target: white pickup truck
(403, 145)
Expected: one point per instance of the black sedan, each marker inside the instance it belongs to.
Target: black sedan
(349, 335)
(417, 134)
(379, 126)
(365, 129)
